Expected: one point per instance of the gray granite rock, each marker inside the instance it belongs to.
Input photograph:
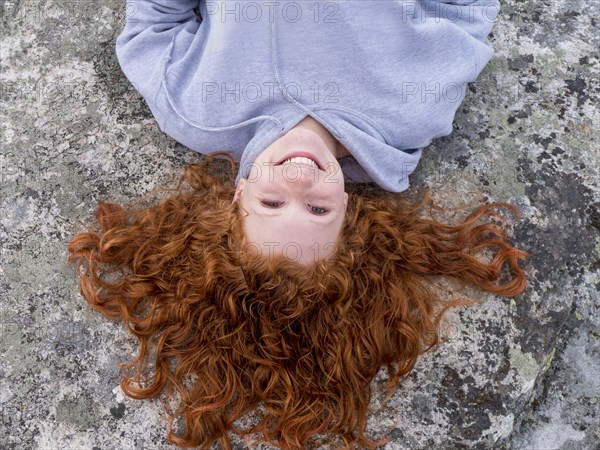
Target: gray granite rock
(520, 373)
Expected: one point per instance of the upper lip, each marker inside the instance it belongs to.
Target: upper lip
(304, 154)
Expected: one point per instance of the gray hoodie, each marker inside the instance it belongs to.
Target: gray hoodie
(385, 77)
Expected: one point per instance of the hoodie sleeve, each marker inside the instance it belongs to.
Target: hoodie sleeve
(475, 17)
(150, 27)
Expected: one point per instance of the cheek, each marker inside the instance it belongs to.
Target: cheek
(256, 173)
(334, 174)
(262, 176)
(334, 187)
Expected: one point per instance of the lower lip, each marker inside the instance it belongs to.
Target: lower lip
(298, 154)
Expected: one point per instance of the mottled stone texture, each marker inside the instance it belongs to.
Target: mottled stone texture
(516, 373)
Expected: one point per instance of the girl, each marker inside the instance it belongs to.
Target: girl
(284, 289)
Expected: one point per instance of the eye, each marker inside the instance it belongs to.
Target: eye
(318, 210)
(271, 203)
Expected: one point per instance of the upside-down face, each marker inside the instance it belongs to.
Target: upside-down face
(294, 198)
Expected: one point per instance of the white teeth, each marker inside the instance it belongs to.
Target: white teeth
(301, 160)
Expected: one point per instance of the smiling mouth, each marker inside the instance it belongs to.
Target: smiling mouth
(301, 158)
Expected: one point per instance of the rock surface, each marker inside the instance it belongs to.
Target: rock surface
(521, 373)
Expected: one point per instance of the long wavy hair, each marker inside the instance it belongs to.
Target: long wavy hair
(223, 332)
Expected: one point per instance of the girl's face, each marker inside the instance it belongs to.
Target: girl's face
(294, 196)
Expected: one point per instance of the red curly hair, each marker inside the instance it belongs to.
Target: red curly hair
(223, 332)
